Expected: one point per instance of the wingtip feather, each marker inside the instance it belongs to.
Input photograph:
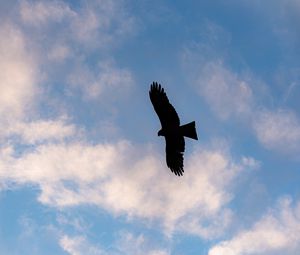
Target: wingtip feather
(156, 87)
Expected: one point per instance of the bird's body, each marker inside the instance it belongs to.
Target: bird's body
(171, 129)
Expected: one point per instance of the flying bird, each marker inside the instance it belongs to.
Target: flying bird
(170, 128)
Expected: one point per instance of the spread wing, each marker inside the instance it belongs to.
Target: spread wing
(174, 154)
(165, 111)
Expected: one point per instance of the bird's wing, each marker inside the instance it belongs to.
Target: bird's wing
(165, 111)
(174, 154)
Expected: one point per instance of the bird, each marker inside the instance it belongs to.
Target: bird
(170, 128)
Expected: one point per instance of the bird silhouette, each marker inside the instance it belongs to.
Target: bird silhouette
(170, 128)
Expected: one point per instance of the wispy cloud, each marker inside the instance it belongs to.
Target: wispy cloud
(107, 80)
(75, 173)
(96, 24)
(278, 130)
(72, 37)
(227, 93)
(29, 73)
(79, 245)
(277, 231)
(18, 78)
(42, 130)
(59, 53)
(20, 90)
(232, 95)
(129, 243)
(42, 13)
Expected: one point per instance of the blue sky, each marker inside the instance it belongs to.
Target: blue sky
(82, 170)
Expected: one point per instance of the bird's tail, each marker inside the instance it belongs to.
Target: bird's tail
(189, 130)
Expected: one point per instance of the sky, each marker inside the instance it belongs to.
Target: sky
(82, 170)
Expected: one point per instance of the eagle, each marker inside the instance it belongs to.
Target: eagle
(170, 128)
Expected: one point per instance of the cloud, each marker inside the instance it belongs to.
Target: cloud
(71, 37)
(119, 177)
(134, 245)
(127, 244)
(284, 20)
(227, 93)
(41, 13)
(106, 80)
(96, 24)
(279, 131)
(59, 53)
(78, 245)
(20, 92)
(241, 95)
(231, 95)
(42, 130)
(277, 231)
(101, 22)
(18, 77)
(251, 162)
(27, 70)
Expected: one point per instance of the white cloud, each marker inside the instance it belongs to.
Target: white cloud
(231, 95)
(284, 20)
(226, 93)
(279, 131)
(59, 53)
(127, 244)
(135, 245)
(17, 76)
(241, 95)
(194, 223)
(120, 177)
(108, 80)
(23, 54)
(78, 245)
(101, 22)
(42, 12)
(94, 25)
(251, 162)
(43, 130)
(70, 36)
(277, 231)
(77, 223)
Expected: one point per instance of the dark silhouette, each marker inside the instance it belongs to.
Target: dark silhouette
(171, 129)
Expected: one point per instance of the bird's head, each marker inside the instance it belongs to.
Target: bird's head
(160, 133)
